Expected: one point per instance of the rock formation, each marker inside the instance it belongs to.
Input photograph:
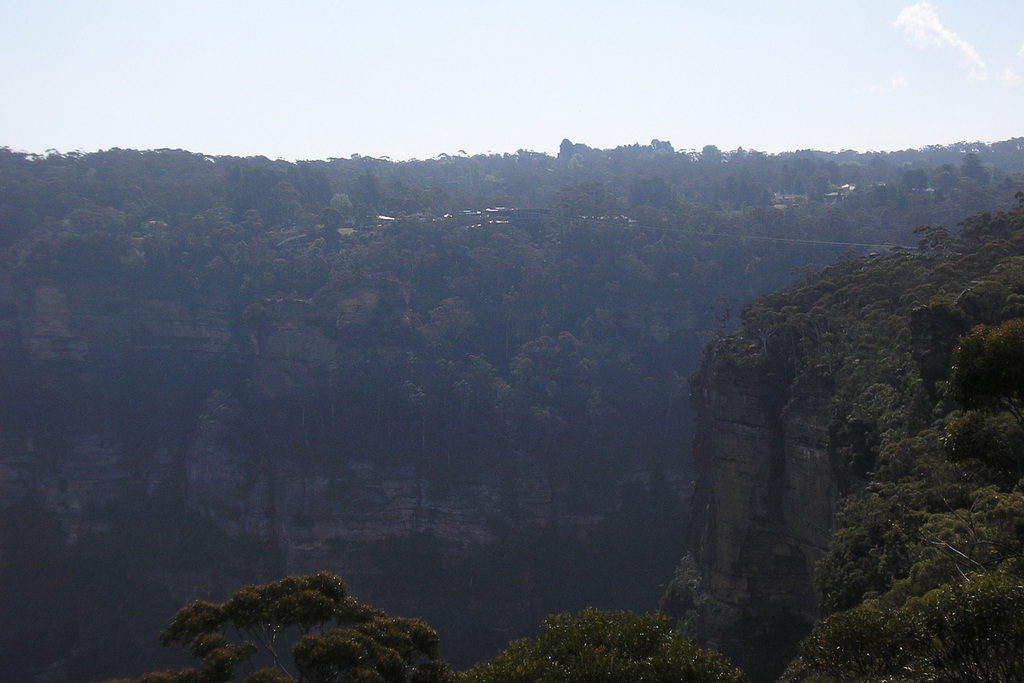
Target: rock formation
(763, 506)
(83, 360)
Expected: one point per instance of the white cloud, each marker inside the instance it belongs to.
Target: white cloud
(1009, 76)
(897, 83)
(921, 23)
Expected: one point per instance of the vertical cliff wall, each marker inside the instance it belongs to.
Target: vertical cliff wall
(169, 450)
(763, 505)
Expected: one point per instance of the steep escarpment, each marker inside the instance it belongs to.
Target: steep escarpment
(179, 447)
(764, 505)
(830, 387)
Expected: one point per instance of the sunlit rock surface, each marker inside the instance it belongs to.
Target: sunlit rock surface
(763, 507)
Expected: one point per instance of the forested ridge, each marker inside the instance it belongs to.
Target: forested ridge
(477, 308)
(581, 317)
(921, 351)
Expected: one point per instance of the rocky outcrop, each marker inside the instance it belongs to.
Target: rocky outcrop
(763, 506)
(97, 323)
(49, 337)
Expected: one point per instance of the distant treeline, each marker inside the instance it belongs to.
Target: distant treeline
(565, 331)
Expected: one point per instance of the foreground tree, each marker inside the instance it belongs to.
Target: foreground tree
(987, 381)
(970, 630)
(599, 646)
(988, 370)
(329, 636)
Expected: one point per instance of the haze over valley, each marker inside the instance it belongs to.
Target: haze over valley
(485, 344)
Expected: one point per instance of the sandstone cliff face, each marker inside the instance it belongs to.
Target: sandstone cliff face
(79, 346)
(763, 507)
(67, 339)
(84, 331)
(99, 324)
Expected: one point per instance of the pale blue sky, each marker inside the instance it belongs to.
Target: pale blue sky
(310, 79)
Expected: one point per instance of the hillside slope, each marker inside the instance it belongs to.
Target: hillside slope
(834, 386)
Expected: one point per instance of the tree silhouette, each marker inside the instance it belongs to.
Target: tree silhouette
(331, 637)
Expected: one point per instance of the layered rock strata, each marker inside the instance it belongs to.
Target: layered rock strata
(126, 400)
(763, 507)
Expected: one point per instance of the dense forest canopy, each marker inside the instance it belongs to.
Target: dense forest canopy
(477, 310)
(562, 324)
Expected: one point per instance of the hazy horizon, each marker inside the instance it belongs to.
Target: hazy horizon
(401, 80)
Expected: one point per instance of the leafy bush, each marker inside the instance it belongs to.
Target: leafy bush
(605, 646)
(970, 630)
